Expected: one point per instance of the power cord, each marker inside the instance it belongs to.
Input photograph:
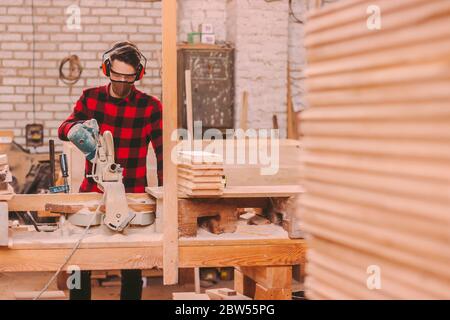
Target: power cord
(74, 249)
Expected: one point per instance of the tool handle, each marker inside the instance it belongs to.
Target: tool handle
(63, 164)
(52, 160)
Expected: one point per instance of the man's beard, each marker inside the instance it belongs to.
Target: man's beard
(121, 88)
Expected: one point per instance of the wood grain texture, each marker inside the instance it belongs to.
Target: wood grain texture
(4, 239)
(376, 150)
(170, 94)
(204, 253)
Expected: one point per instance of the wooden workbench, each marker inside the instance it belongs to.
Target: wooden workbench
(252, 248)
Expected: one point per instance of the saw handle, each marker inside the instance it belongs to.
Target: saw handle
(109, 146)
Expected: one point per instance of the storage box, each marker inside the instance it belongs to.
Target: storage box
(206, 28)
(209, 38)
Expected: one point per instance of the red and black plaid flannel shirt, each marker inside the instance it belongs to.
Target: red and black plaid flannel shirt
(134, 122)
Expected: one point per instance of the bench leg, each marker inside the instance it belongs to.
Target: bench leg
(264, 283)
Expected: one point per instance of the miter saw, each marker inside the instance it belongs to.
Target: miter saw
(99, 149)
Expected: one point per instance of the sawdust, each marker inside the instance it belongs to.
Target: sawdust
(244, 232)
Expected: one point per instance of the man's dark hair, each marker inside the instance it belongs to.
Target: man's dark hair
(127, 52)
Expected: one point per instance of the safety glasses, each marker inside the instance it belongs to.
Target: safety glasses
(122, 77)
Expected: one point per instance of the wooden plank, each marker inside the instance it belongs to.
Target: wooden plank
(406, 242)
(391, 165)
(431, 129)
(219, 294)
(393, 74)
(427, 190)
(408, 275)
(262, 191)
(355, 13)
(292, 130)
(413, 149)
(351, 288)
(237, 192)
(244, 111)
(387, 202)
(190, 296)
(430, 91)
(203, 46)
(48, 295)
(29, 260)
(390, 285)
(189, 114)
(382, 40)
(170, 94)
(415, 53)
(336, 234)
(4, 238)
(36, 202)
(209, 256)
(390, 21)
(375, 151)
(238, 281)
(270, 277)
(376, 217)
(416, 110)
(262, 293)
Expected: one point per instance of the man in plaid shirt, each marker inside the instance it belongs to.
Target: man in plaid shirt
(135, 120)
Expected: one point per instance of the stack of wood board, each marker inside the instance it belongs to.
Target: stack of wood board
(376, 161)
(5, 175)
(200, 174)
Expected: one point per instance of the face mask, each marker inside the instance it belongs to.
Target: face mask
(121, 88)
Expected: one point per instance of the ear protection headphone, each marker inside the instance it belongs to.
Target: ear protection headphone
(106, 60)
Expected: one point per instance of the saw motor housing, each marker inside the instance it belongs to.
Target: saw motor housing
(109, 175)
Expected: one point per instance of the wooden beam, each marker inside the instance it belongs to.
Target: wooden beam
(286, 253)
(170, 94)
(236, 255)
(37, 202)
(270, 277)
(244, 111)
(87, 259)
(189, 111)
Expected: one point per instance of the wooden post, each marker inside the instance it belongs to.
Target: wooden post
(244, 111)
(169, 83)
(3, 223)
(189, 112)
(264, 283)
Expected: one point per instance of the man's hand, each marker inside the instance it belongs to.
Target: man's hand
(84, 136)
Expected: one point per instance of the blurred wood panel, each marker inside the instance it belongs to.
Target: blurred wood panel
(375, 163)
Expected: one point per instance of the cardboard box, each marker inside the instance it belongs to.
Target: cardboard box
(209, 38)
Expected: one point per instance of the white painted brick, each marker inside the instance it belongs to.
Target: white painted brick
(12, 115)
(6, 124)
(14, 46)
(6, 107)
(55, 107)
(44, 115)
(16, 81)
(116, 20)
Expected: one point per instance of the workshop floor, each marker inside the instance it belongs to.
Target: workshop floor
(30, 281)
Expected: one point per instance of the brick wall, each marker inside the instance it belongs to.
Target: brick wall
(103, 22)
(191, 13)
(297, 53)
(262, 32)
(259, 30)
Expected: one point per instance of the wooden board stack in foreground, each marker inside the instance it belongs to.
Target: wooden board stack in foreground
(376, 161)
(200, 174)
